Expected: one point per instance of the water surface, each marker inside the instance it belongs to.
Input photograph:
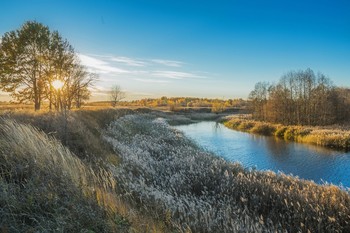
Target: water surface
(269, 153)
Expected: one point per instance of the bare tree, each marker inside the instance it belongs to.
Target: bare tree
(77, 85)
(301, 98)
(259, 97)
(116, 94)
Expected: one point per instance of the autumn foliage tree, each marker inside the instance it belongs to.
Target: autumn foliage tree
(300, 98)
(32, 57)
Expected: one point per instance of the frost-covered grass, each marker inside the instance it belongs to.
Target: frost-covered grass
(172, 179)
(334, 136)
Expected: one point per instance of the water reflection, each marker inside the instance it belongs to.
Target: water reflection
(217, 127)
(269, 153)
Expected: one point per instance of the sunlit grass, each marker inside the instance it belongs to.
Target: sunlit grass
(170, 178)
(45, 187)
(134, 173)
(41, 197)
(334, 136)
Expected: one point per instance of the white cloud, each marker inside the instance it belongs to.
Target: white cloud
(168, 62)
(100, 66)
(151, 80)
(129, 61)
(135, 73)
(106, 63)
(174, 75)
(101, 90)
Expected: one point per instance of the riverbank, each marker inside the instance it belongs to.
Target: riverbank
(170, 177)
(57, 178)
(331, 137)
(129, 171)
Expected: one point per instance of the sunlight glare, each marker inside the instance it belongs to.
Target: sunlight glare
(57, 84)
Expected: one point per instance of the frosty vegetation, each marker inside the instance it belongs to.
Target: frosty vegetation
(44, 187)
(169, 177)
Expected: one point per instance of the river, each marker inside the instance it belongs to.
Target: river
(269, 153)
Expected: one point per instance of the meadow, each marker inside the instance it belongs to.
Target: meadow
(122, 170)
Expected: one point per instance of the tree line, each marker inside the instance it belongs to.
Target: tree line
(301, 98)
(190, 102)
(32, 58)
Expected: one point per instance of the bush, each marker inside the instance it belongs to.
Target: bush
(218, 107)
(263, 128)
(280, 131)
(289, 134)
(234, 123)
(245, 125)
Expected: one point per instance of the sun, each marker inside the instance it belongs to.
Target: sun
(57, 84)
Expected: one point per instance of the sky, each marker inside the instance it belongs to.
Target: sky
(197, 48)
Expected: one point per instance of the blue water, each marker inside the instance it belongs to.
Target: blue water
(268, 153)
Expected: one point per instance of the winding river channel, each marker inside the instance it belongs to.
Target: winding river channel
(269, 153)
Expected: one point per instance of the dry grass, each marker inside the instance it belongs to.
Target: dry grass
(332, 136)
(170, 178)
(144, 177)
(45, 187)
(48, 183)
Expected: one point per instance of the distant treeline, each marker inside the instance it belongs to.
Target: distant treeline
(301, 98)
(177, 102)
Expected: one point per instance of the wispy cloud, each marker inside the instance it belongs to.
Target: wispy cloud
(151, 80)
(139, 69)
(129, 61)
(168, 62)
(100, 66)
(101, 90)
(174, 75)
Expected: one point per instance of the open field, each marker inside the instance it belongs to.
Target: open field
(122, 170)
(334, 136)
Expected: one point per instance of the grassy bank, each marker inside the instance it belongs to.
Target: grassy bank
(332, 137)
(170, 178)
(56, 179)
(44, 187)
(129, 171)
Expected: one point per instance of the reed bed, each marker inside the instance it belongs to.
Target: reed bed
(335, 137)
(170, 178)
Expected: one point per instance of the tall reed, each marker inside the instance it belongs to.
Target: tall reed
(170, 178)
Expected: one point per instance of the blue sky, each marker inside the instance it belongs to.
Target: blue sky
(216, 49)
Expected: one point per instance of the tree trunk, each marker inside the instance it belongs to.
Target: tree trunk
(36, 96)
(36, 103)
